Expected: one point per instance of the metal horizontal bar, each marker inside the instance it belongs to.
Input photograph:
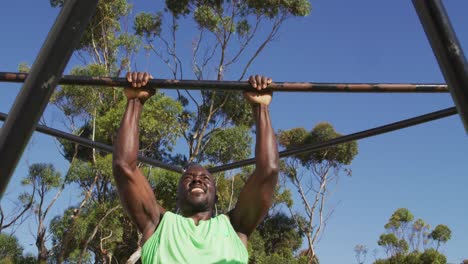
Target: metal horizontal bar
(97, 145)
(243, 85)
(343, 139)
(447, 50)
(46, 70)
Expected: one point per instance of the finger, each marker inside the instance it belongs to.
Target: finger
(151, 76)
(129, 77)
(258, 79)
(269, 80)
(134, 79)
(145, 78)
(140, 81)
(264, 82)
(252, 82)
(140, 77)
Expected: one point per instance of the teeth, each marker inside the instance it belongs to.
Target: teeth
(197, 190)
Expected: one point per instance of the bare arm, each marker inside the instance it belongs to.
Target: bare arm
(257, 195)
(135, 192)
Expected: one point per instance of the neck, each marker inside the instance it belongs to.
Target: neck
(198, 216)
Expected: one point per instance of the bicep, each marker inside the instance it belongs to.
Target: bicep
(253, 203)
(138, 200)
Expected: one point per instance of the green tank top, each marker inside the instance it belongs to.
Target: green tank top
(178, 240)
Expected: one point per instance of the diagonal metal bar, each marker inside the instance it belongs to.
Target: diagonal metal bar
(308, 148)
(343, 139)
(244, 86)
(447, 50)
(39, 86)
(97, 145)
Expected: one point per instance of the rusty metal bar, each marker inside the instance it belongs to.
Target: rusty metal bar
(243, 85)
(37, 89)
(447, 50)
(343, 139)
(97, 145)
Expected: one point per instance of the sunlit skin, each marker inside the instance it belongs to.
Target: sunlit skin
(196, 193)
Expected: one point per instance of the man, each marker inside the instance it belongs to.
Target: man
(195, 235)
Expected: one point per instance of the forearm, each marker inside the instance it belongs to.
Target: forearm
(127, 141)
(266, 149)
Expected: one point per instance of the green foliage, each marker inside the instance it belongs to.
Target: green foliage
(178, 7)
(398, 248)
(441, 233)
(148, 25)
(228, 189)
(430, 256)
(107, 217)
(165, 187)
(273, 7)
(392, 244)
(341, 154)
(275, 241)
(281, 234)
(222, 149)
(83, 101)
(24, 67)
(10, 249)
(218, 22)
(159, 125)
(102, 39)
(313, 173)
(43, 175)
(400, 218)
(206, 18)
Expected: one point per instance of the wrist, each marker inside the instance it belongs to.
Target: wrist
(136, 100)
(259, 106)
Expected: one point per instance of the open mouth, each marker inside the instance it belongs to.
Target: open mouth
(197, 190)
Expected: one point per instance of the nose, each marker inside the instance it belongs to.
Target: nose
(196, 179)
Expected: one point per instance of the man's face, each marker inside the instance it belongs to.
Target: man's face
(197, 190)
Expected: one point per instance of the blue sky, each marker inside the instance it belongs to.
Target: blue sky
(422, 168)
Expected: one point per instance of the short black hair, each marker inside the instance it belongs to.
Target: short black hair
(192, 164)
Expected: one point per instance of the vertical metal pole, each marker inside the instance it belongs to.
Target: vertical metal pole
(447, 50)
(41, 82)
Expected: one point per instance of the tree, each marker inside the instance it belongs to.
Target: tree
(419, 234)
(399, 222)
(441, 234)
(312, 174)
(226, 34)
(360, 253)
(216, 126)
(19, 213)
(10, 250)
(402, 244)
(275, 241)
(43, 178)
